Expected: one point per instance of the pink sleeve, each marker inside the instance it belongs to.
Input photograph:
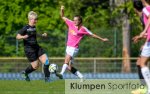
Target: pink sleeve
(148, 34)
(85, 31)
(68, 22)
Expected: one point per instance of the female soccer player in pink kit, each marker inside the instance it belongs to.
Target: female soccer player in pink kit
(76, 31)
(145, 54)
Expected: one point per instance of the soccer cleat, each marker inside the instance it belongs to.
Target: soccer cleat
(139, 91)
(59, 75)
(47, 79)
(25, 76)
(82, 79)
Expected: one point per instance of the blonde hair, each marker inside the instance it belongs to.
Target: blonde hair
(32, 14)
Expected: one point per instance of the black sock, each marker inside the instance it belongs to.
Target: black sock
(29, 69)
(140, 75)
(73, 70)
(46, 71)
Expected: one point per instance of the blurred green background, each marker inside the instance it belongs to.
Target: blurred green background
(98, 15)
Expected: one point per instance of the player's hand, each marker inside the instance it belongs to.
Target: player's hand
(44, 35)
(105, 39)
(145, 35)
(25, 36)
(136, 39)
(142, 34)
(62, 7)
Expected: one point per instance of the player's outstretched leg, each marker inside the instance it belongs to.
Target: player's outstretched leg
(144, 90)
(77, 73)
(139, 90)
(28, 70)
(46, 71)
(25, 76)
(140, 71)
(60, 75)
(146, 74)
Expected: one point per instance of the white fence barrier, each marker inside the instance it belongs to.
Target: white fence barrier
(10, 68)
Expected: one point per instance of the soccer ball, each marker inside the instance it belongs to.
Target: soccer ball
(53, 68)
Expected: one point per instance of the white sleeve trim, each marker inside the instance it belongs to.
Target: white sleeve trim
(146, 12)
(88, 31)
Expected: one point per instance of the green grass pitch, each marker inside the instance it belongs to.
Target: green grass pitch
(32, 87)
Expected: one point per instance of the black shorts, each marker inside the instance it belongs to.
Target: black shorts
(33, 55)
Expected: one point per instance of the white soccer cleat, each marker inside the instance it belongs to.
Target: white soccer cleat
(139, 91)
(82, 79)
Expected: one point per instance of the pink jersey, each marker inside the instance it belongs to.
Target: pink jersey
(75, 35)
(146, 14)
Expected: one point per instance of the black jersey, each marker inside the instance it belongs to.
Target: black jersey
(31, 41)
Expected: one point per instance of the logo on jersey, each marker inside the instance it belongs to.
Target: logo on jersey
(73, 32)
(31, 31)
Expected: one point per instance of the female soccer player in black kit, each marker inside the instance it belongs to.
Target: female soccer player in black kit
(33, 51)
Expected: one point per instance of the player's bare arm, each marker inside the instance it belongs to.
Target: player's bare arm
(145, 3)
(21, 37)
(62, 13)
(136, 38)
(142, 34)
(98, 37)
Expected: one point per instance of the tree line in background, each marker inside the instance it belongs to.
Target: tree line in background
(99, 16)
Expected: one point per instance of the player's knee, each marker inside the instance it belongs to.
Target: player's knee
(35, 66)
(46, 61)
(66, 63)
